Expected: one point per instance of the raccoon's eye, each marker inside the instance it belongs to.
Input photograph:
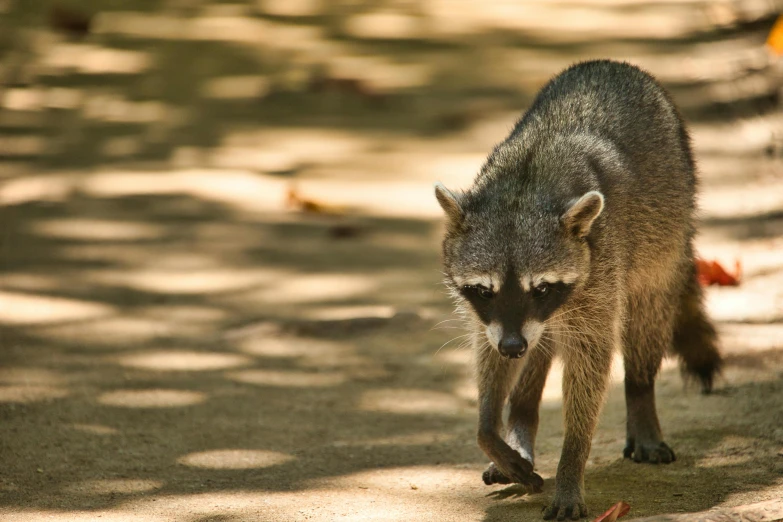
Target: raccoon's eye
(482, 291)
(485, 293)
(541, 290)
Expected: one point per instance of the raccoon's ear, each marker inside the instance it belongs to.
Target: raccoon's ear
(580, 216)
(449, 203)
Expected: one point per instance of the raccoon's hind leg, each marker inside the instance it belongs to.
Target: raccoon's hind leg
(647, 338)
(523, 409)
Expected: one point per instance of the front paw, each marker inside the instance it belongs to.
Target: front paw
(508, 466)
(492, 475)
(652, 452)
(566, 506)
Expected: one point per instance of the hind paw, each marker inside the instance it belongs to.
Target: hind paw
(654, 452)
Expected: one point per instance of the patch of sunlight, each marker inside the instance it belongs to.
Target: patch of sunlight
(113, 487)
(172, 360)
(381, 73)
(291, 7)
(730, 451)
(24, 309)
(288, 347)
(23, 99)
(95, 429)
(385, 25)
(556, 21)
(117, 109)
(236, 87)
(91, 515)
(186, 259)
(467, 390)
(235, 459)
(311, 146)
(317, 287)
(92, 59)
(35, 188)
(457, 169)
(64, 98)
(739, 337)
(30, 393)
(412, 402)
(269, 161)
(288, 378)
(97, 230)
(750, 199)
(344, 313)
(186, 313)
(174, 281)
(411, 439)
(734, 138)
(401, 478)
(153, 398)
(120, 331)
(770, 494)
(353, 504)
(241, 189)
(237, 29)
(31, 376)
(760, 257)
(553, 390)
(748, 302)
(725, 460)
(376, 198)
(457, 357)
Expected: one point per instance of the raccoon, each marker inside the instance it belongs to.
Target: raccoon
(576, 239)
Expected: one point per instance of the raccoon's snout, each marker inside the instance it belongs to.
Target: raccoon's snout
(512, 346)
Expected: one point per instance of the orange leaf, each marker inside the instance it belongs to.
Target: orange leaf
(613, 513)
(775, 38)
(295, 201)
(713, 273)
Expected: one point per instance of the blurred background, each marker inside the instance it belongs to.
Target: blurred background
(219, 254)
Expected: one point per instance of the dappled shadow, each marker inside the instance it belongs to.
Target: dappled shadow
(162, 83)
(177, 344)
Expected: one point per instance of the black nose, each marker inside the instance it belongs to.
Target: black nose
(513, 346)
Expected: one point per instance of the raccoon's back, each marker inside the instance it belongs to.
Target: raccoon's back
(650, 191)
(623, 104)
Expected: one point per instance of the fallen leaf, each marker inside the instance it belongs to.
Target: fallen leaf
(613, 513)
(775, 38)
(297, 202)
(713, 273)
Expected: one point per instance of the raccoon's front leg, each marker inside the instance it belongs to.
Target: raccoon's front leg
(496, 376)
(585, 377)
(523, 408)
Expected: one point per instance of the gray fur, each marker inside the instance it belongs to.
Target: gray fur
(596, 180)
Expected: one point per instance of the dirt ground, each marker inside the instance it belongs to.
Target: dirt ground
(178, 345)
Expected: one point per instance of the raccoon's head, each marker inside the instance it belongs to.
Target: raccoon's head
(513, 262)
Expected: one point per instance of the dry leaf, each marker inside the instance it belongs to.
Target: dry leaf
(613, 513)
(297, 202)
(712, 273)
(775, 38)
